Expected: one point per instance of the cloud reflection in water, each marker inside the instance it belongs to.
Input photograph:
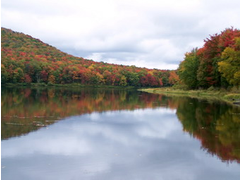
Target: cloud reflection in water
(139, 144)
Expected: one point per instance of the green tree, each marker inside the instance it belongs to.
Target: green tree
(188, 69)
(133, 79)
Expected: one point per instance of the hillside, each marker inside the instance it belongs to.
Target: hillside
(29, 60)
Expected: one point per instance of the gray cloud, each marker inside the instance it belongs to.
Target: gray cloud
(155, 34)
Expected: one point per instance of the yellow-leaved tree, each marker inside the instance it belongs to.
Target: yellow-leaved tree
(230, 64)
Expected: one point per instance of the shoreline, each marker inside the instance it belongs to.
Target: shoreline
(230, 97)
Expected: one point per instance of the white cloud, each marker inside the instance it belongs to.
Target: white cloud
(148, 33)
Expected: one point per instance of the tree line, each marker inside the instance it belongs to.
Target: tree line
(29, 60)
(216, 64)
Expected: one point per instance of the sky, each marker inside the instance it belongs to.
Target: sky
(144, 33)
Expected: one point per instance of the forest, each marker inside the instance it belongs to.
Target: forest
(215, 65)
(28, 60)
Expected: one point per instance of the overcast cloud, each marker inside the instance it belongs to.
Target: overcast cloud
(145, 33)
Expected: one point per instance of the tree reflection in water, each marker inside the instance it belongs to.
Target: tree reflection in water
(216, 124)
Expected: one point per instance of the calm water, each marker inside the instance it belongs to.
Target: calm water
(115, 134)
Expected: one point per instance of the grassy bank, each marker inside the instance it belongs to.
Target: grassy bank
(230, 96)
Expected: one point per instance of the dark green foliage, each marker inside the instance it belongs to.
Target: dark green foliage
(188, 69)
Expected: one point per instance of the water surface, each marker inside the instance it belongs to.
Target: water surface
(117, 134)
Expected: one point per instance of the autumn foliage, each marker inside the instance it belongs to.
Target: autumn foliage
(216, 64)
(29, 60)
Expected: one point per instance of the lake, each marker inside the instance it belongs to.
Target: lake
(106, 134)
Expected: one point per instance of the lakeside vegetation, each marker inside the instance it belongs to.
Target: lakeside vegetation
(222, 94)
(29, 60)
(216, 64)
(210, 71)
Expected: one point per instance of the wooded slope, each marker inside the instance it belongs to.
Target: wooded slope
(29, 60)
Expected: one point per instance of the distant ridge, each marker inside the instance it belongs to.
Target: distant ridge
(28, 60)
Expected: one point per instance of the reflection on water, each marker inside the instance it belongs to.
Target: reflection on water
(116, 134)
(215, 124)
(24, 110)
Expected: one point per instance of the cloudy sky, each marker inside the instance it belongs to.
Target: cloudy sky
(144, 33)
